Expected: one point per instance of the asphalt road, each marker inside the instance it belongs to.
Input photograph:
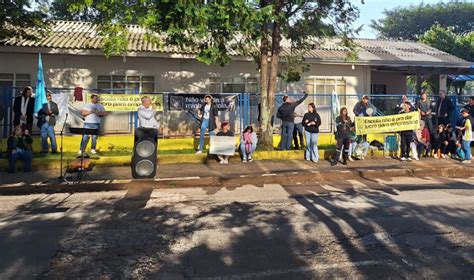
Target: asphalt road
(398, 228)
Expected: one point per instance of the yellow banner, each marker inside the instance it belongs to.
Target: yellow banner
(387, 124)
(128, 102)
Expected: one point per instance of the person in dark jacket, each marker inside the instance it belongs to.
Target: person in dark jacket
(360, 109)
(208, 113)
(470, 106)
(444, 108)
(311, 122)
(406, 136)
(23, 109)
(344, 126)
(46, 122)
(286, 113)
(19, 148)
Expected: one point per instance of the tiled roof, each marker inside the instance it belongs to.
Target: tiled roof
(85, 35)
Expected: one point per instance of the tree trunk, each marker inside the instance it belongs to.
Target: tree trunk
(266, 139)
(268, 82)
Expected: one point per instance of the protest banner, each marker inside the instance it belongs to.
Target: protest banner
(128, 102)
(387, 124)
(180, 101)
(222, 145)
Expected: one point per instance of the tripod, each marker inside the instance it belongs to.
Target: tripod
(61, 178)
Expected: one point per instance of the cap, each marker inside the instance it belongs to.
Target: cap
(224, 123)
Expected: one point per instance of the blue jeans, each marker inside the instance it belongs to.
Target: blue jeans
(286, 135)
(244, 152)
(311, 146)
(466, 146)
(85, 138)
(47, 131)
(204, 127)
(20, 154)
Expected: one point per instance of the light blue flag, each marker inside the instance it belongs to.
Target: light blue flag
(40, 96)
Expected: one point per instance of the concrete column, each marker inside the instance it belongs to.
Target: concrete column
(443, 83)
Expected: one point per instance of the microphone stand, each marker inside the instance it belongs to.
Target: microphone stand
(61, 178)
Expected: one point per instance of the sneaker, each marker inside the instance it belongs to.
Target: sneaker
(466, 161)
(350, 158)
(435, 156)
(410, 159)
(221, 162)
(79, 153)
(199, 152)
(244, 160)
(226, 161)
(93, 151)
(443, 156)
(415, 158)
(315, 160)
(250, 159)
(403, 158)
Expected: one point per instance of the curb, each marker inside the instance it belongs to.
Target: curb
(296, 177)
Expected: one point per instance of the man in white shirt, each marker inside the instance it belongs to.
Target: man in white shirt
(146, 114)
(92, 113)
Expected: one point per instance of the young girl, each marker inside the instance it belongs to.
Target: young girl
(248, 143)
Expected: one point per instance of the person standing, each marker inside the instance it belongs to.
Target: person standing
(93, 113)
(248, 143)
(406, 136)
(286, 112)
(311, 122)
(225, 131)
(424, 107)
(444, 108)
(208, 114)
(344, 127)
(23, 109)
(147, 115)
(46, 122)
(467, 134)
(360, 109)
(300, 110)
(19, 148)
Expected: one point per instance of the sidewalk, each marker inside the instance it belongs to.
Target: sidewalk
(236, 173)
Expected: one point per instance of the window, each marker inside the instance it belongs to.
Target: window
(233, 85)
(326, 86)
(17, 80)
(119, 83)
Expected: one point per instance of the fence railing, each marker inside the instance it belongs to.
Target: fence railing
(243, 111)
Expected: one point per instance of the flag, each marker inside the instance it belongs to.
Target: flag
(40, 96)
(335, 106)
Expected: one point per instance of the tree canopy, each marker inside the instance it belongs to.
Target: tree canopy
(16, 15)
(411, 22)
(446, 40)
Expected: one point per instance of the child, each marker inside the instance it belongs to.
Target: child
(248, 143)
(422, 139)
(436, 141)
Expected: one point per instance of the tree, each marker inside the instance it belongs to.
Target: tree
(217, 28)
(446, 40)
(18, 15)
(411, 22)
(60, 10)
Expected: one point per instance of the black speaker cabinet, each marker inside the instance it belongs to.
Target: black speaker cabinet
(144, 153)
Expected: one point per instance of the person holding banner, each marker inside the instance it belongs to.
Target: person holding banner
(225, 131)
(311, 122)
(344, 126)
(286, 112)
(208, 114)
(23, 109)
(93, 113)
(406, 136)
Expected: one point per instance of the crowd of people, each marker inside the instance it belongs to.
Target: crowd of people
(435, 137)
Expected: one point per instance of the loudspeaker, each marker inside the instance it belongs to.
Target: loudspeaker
(144, 153)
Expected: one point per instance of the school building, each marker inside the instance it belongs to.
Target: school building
(72, 58)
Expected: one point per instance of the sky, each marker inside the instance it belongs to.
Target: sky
(372, 9)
